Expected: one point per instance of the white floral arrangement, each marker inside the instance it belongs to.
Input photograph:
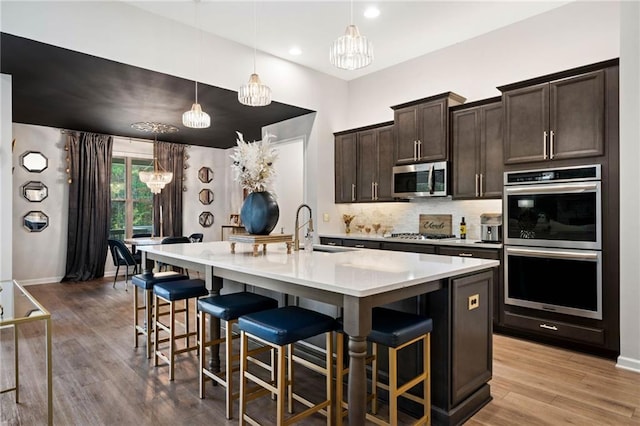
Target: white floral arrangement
(253, 163)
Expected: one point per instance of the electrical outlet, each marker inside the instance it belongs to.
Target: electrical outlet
(474, 301)
(325, 217)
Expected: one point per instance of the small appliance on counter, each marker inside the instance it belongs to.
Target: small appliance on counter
(491, 227)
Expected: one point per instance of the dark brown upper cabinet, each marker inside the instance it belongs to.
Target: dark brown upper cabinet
(422, 129)
(555, 120)
(476, 137)
(346, 158)
(363, 164)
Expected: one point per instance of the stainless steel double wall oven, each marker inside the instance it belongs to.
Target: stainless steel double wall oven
(553, 240)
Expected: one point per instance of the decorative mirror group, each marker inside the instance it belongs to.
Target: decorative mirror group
(205, 175)
(34, 191)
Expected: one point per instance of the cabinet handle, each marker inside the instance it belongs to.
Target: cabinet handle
(419, 149)
(544, 145)
(331, 244)
(466, 255)
(375, 192)
(353, 192)
(549, 327)
(551, 145)
(477, 185)
(415, 150)
(359, 246)
(373, 195)
(481, 184)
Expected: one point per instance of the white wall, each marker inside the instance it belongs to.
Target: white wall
(6, 162)
(192, 207)
(40, 257)
(629, 190)
(288, 185)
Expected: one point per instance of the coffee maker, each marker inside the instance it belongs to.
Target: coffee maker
(491, 227)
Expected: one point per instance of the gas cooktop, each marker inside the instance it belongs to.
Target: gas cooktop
(416, 236)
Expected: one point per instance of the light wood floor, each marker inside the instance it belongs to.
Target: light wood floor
(100, 379)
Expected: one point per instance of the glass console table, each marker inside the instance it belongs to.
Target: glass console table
(17, 307)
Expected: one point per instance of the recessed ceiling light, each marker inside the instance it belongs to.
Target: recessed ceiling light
(295, 50)
(372, 12)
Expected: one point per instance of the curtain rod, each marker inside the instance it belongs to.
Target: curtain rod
(71, 132)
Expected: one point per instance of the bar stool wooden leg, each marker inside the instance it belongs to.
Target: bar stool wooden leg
(149, 318)
(172, 340)
(229, 366)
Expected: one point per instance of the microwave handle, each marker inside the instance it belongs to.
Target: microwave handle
(430, 179)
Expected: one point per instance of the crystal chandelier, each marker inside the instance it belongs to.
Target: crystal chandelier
(157, 178)
(352, 50)
(196, 118)
(254, 93)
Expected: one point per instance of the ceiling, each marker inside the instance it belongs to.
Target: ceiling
(403, 30)
(61, 88)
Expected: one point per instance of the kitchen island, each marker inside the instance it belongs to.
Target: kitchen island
(357, 280)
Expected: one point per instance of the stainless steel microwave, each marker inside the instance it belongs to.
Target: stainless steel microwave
(420, 180)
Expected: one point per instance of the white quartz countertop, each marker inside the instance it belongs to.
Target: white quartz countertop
(453, 242)
(350, 271)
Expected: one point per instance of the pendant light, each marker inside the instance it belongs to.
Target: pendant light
(254, 93)
(157, 178)
(352, 50)
(196, 118)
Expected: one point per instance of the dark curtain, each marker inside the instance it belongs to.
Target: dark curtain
(89, 205)
(171, 158)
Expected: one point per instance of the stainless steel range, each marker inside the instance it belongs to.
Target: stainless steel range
(417, 236)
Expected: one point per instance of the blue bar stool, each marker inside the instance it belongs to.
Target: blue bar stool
(172, 292)
(146, 283)
(395, 330)
(279, 329)
(228, 308)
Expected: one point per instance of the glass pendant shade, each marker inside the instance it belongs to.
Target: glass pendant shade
(254, 93)
(195, 118)
(156, 179)
(351, 51)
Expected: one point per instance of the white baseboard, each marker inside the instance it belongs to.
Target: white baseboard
(36, 281)
(628, 364)
(51, 280)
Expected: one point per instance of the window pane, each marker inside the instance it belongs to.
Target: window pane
(142, 217)
(117, 220)
(140, 191)
(118, 179)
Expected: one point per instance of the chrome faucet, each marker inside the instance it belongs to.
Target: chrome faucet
(296, 238)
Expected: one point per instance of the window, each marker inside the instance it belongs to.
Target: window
(131, 200)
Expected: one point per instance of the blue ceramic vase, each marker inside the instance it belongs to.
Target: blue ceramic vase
(259, 213)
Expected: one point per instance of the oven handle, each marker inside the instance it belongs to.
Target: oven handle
(545, 189)
(593, 256)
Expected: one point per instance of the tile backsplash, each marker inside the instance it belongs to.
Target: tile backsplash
(405, 217)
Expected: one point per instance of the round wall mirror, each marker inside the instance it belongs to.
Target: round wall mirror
(206, 219)
(205, 174)
(206, 196)
(35, 221)
(35, 191)
(34, 161)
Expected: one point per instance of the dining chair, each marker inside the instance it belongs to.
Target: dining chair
(196, 238)
(123, 257)
(173, 240)
(143, 235)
